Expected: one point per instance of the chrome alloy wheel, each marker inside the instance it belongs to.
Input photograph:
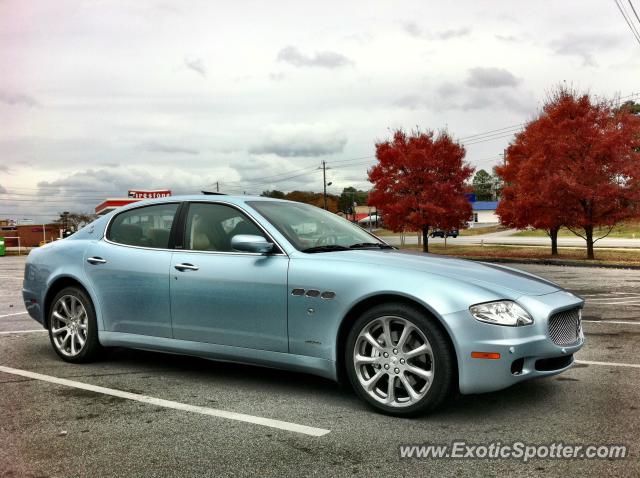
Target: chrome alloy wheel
(69, 325)
(393, 361)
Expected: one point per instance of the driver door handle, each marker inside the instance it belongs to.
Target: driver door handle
(96, 260)
(186, 267)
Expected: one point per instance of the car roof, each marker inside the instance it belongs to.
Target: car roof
(201, 198)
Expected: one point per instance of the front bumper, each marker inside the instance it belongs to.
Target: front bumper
(530, 347)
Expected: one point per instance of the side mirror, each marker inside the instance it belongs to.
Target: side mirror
(251, 243)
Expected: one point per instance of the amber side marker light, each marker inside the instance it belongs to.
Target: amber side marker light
(485, 355)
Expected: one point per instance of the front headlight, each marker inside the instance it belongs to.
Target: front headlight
(502, 312)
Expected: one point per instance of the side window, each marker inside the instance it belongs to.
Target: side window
(147, 226)
(210, 227)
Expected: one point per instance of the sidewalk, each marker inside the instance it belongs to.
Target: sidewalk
(504, 238)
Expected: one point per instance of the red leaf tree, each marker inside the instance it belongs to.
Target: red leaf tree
(419, 182)
(576, 165)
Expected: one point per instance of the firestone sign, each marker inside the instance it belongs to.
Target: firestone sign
(145, 194)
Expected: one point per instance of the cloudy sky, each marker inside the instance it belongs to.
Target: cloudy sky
(100, 96)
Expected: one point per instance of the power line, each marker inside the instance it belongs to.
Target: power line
(634, 11)
(27, 214)
(629, 20)
(268, 177)
(70, 200)
(490, 139)
(475, 136)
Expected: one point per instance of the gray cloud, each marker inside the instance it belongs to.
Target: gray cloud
(413, 29)
(3, 190)
(197, 65)
(154, 147)
(520, 103)
(322, 59)
(491, 78)
(411, 102)
(451, 97)
(508, 38)
(583, 46)
(454, 33)
(18, 99)
(301, 140)
(4, 168)
(83, 190)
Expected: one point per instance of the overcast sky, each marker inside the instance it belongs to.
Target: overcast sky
(97, 97)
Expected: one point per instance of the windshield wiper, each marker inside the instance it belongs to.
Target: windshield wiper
(364, 245)
(325, 248)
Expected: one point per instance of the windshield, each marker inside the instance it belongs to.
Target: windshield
(311, 229)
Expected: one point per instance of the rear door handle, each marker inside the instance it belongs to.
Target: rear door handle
(96, 260)
(186, 267)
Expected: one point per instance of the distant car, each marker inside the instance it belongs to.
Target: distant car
(440, 233)
(288, 285)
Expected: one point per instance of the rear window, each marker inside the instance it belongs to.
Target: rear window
(147, 226)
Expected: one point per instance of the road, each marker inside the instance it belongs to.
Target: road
(51, 429)
(504, 238)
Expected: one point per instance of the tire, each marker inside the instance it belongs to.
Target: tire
(436, 366)
(73, 330)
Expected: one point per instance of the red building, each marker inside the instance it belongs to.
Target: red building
(134, 195)
(31, 235)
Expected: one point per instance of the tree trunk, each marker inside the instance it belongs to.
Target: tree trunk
(588, 231)
(553, 234)
(425, 239)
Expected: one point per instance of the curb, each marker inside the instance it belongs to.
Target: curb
(548, 262)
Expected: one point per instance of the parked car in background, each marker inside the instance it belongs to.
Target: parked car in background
(440, 233)
(288, 285)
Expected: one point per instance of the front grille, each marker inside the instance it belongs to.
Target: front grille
(565, 327)
(554, 363)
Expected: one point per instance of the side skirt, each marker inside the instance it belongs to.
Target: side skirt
(225, 353)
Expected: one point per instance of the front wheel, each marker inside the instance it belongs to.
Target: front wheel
(399, 360)
(73, 330)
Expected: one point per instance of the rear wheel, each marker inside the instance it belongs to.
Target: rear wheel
(399, 360)
(73, 329)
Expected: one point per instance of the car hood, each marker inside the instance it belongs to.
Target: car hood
(489, 276)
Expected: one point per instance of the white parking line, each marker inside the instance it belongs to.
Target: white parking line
(627, 298)
(623, 302)
(159, 402)
(12, 332)
(607, 294)
(610, 364)
(625, 322)
(613, 296)
(11, 315)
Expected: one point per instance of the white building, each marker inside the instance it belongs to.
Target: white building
(484, 213)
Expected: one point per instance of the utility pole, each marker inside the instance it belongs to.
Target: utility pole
(217, 187)
(65, 216)
(324, 182)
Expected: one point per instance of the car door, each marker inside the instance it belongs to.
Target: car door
(129, 271)
(222, 296)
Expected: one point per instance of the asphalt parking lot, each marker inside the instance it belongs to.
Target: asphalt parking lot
(51, 429)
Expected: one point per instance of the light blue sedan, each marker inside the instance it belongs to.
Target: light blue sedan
(288, 285)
